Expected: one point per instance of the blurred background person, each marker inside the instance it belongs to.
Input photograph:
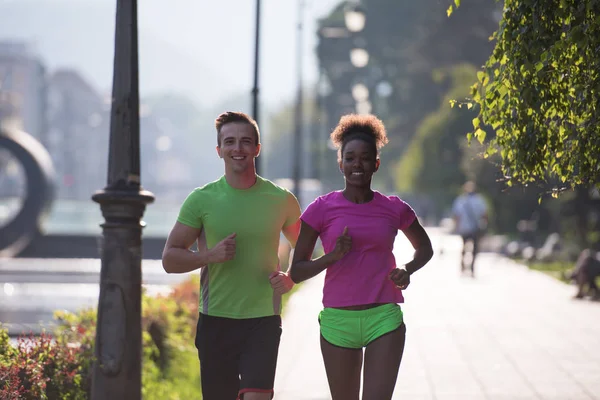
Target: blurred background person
(470, 215)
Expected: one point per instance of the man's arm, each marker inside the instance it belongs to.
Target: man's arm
(177, 257)
(456, 213)
(291, 232)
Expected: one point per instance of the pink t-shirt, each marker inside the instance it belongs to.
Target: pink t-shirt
(361, 277)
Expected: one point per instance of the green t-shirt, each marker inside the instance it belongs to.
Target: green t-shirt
(240, 288)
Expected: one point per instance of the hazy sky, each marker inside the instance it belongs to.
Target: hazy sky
(220, 34)
(208, 45)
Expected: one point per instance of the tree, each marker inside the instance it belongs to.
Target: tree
(540, 91)
(280, 144)
(431, 163)
(406, 41)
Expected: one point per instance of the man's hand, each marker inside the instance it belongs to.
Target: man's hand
(343, 245)
(400, 277)
(281, 282)
(224, 250)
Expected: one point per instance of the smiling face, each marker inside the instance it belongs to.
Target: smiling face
(237, 146)
(359, 162)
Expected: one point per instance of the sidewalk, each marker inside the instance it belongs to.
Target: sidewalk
(508, 334)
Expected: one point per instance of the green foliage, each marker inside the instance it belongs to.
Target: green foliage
(540, 89)
(58, 366)
(44, 368)
(431, 163)
(170, 362)
(279, 143)
(406, 41)
(508, 205)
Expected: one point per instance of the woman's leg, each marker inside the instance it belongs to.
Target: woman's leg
(343, 367)
(382, 361)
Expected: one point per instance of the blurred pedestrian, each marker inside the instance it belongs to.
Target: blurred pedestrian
(585, 273)
(470, 213)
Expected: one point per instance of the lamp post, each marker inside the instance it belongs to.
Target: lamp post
(118, 349)
(255, 99)
(297, 148)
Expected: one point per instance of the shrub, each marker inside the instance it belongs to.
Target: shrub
(43, 368)
(59, 366)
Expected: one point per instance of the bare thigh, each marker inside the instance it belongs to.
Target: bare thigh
(343, 370)
(382, 362)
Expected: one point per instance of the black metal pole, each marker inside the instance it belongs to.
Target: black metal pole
(297, 149)
(118, 350)
(255, 99)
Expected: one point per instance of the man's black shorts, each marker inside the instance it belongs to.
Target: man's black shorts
(237, 355)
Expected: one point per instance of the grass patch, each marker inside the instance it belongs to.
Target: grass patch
(556, 269)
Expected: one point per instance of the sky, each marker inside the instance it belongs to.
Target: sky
(220, 34)
(217, 35)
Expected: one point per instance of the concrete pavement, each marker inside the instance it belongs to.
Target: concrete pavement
(508, 334)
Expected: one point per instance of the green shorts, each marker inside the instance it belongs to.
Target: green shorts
(355, 329)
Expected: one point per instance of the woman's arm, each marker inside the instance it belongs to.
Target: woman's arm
(422, 245)
(423, 253)
(303, 267)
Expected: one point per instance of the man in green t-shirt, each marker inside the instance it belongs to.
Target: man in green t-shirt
(236, 221)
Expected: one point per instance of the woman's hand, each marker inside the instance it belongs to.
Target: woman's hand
(343, 245)
(400, 277)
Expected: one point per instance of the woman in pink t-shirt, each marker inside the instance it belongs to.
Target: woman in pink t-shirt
(357, 227)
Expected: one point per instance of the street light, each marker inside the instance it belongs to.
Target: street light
(360, 92)
(354, 17)
(359, 57)
(297, 148)
(363, 107)
(255, 90)
(118, 348)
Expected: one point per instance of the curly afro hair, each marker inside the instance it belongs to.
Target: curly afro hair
(368, 128)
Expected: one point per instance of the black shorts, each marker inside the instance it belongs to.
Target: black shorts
(237, 355)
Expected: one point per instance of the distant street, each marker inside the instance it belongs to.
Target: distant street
(32, 289)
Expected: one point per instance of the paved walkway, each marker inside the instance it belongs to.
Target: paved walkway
(509, 334)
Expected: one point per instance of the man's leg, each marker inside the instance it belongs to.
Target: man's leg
(218, 350)
(593, 291)
(463, 253)
(258, 359)
(581, 279)
(475, 247)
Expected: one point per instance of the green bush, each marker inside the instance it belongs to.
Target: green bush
(44, 368)
(58, 366)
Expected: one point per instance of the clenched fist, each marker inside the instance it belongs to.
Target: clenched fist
(281, 282)
(400, 277)
(343, 245)
(224, 250)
